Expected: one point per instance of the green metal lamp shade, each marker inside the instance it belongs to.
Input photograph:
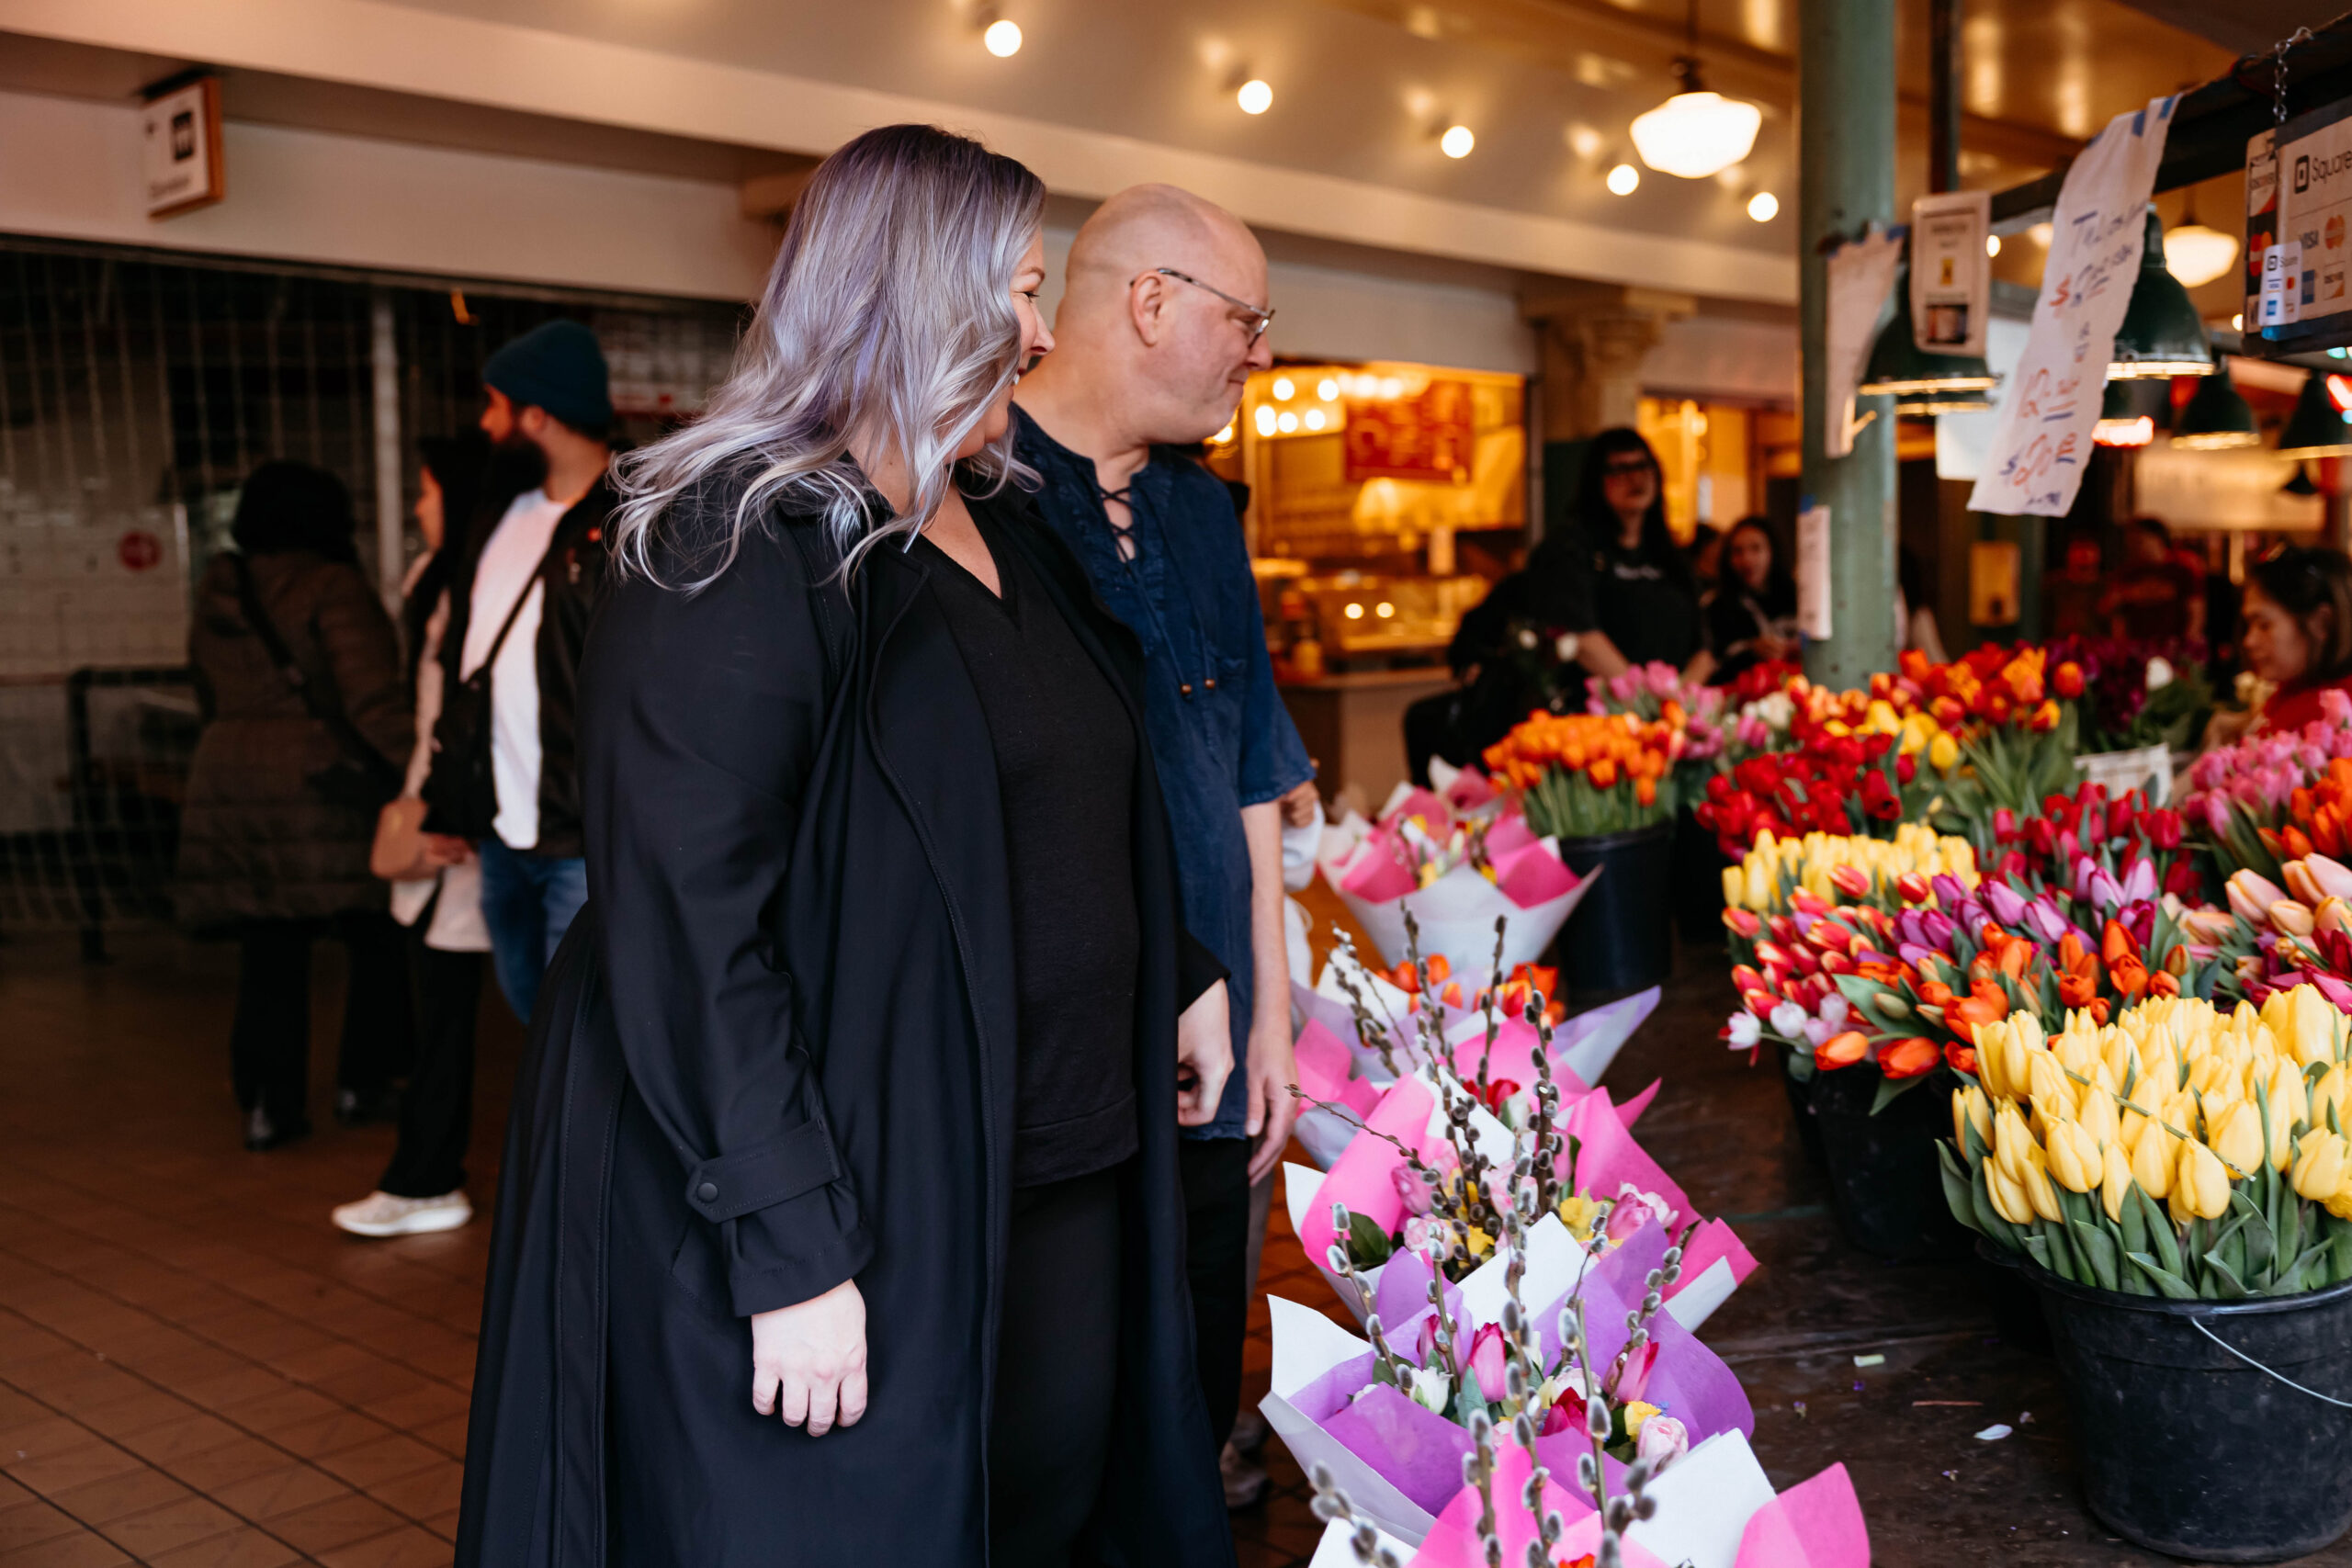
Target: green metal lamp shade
(2161, 334)
(1927, 405)
(2217, 418)
(2317, 427)
(1898, 365)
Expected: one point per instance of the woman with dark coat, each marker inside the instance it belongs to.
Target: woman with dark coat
(1614, 580)
(275, 835)
(840, 1221)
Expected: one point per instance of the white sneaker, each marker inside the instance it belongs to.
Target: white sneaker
(380, 1213)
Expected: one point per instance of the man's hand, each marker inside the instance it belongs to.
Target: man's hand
(1271, 1110)
(1300, 805)
(1204, 1057)
(810, 1359)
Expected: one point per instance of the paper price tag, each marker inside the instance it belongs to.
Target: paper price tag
(1812, 572)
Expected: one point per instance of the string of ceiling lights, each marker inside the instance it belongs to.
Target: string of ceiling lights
(1694, 135)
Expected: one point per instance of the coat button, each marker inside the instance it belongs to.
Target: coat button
(707, 1191)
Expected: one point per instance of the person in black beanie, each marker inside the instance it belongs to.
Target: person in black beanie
(504, 772)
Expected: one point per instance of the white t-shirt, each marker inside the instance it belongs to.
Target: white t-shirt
(508, 567)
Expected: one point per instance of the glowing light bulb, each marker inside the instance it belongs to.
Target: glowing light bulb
(2237, 323)
(1288, 423)
(1255, 97)
(1224, 437)
(1265, 420)
(1385, 610)
(1314, 419)
(1355, 612)
(1327, 388)
(1002, 39)
(1457, 141)
(1764, 207)
(1623, 180)
(1992, 245)
(1284, 389)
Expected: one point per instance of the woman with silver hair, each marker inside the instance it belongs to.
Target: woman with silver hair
(838, 1221)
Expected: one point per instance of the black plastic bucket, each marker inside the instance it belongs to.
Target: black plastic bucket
(1698, 882)
(2190, 1450)
(1800, 1092)
(1883, 1184)
(1621, 936)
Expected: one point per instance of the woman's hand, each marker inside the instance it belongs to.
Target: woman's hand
(1203, 1058)
(404, 851)
(809, 1360)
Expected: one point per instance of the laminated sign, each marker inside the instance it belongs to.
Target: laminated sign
(2041, 434)
(2299, 190)
(1952, 279)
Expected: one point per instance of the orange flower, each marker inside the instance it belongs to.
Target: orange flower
(1985, 1003)
(1962, 1057)
(1842, 1050)
(1908, 1058)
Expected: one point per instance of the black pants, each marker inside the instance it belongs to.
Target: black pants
(437, 1106)
(1057, 1369)
(269, 1045)
(1215, 1173)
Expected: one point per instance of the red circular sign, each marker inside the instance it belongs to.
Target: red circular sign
(138, 550)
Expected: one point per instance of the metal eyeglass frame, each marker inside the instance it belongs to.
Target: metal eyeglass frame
(1261, 317)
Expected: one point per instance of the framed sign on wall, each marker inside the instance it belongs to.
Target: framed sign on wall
(180, 154)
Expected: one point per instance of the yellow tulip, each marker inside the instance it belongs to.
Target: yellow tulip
(2312, 1025)
(2287, 1106)
(2008, 1198)
(2152, 1160)
(1969, 1105)
(1944, 752)
(2321, 1162)
(2236, 1136)
(2011, 1139)
(2115, 1183)
(1991, 1040)
(2339, 1202)
(2075, 1157)
(2200, 1187)
(2053, 1092)
(2038, 1191)
(1736, 887)
(2329, 1091)
(2099, 1117)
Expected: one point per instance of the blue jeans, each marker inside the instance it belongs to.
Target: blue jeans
(527, 901)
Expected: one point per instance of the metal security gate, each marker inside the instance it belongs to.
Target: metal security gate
(137, 389)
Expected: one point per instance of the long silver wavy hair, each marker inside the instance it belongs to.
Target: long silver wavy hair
(887, 316)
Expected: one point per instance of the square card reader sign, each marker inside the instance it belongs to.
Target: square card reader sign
(2304, 265)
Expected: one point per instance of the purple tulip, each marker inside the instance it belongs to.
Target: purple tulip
(1948, 890)
(1938, 927)
(1910, 928)
(1913, 954)
(2140, 919)
(2084, 869)
(2047, 922)
(2007, 906)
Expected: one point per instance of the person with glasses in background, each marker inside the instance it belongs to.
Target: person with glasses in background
(1161, 324)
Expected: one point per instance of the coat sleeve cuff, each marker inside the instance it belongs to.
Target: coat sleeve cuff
(1196, 969)
(802, 1277)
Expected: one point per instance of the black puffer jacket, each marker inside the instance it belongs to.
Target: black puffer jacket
(256, 841)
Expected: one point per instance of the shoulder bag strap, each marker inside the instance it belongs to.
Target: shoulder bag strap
(513, 613)
(355, 746)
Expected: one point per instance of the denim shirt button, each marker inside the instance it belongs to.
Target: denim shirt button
(1210, 682)
(1186, 689)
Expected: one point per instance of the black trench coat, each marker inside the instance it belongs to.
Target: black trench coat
(777, 1051)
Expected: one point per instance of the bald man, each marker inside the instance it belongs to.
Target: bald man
(1162, 320)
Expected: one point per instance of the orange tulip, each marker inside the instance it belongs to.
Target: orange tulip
(1908, 1058)
(1842, 1050)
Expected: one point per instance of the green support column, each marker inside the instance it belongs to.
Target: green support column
(1845, 178)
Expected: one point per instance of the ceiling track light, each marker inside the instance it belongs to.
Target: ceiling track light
(1000, 36)
(1254, 95)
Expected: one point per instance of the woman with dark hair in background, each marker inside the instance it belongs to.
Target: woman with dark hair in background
(1615, 583)
(2298, 631)
(1752, 614)
(297, 669)
(435, 879)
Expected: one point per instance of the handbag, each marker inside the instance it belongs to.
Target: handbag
(461, 791)
(362, 778)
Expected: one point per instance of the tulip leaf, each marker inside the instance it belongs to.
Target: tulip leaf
(1857, 989)
(2095, 1246)
(2133, 1222)
(2226, 1278)
(2291, 1228)
(1892, 1090)
(2037, 1248)
(2305, 1267)
(2258, 1243)
(1958, 1196)
(1988, 1218)
(2339, 1239)
(2166, 1282)
(2061, 1257)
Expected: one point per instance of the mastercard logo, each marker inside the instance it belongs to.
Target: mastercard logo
(2332, 232)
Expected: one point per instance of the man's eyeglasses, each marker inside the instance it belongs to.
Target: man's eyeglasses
(1259, 319)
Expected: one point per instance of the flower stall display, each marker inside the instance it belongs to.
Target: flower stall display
(2276, 938)
(1454, 863)
(2242, 796)
(1842, 780)
(2176, 1186)
(2137, 692)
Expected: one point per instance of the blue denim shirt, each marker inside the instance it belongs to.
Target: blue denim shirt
(1219, 734)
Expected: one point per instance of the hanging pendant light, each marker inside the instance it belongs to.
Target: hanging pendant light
(2217, 418)
(2162, 333)
(2317, 428)
(1899, 365)
(2195, 254)
(1696, 133)
(2300, 484)
(2125, 419)
(1927, 405)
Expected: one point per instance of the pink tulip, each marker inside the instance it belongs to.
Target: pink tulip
(1487, 1361)
(1564, 1413)
(1425, 1345)
(1411, 1190)
(1663, 1440)
(1636, 1377)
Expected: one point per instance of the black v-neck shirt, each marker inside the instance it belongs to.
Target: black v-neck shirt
(1065, 765)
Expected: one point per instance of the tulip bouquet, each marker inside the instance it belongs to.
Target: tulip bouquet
(1656, 693)
(2278, 938)
(1455, 860)
(2178, 1150)
(1581, 775)
(1842, 784)
(2241, 794)
(2087, 833)
(2139, 692)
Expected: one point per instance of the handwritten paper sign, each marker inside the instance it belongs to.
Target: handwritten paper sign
(2042, 437)
(1861, 275)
